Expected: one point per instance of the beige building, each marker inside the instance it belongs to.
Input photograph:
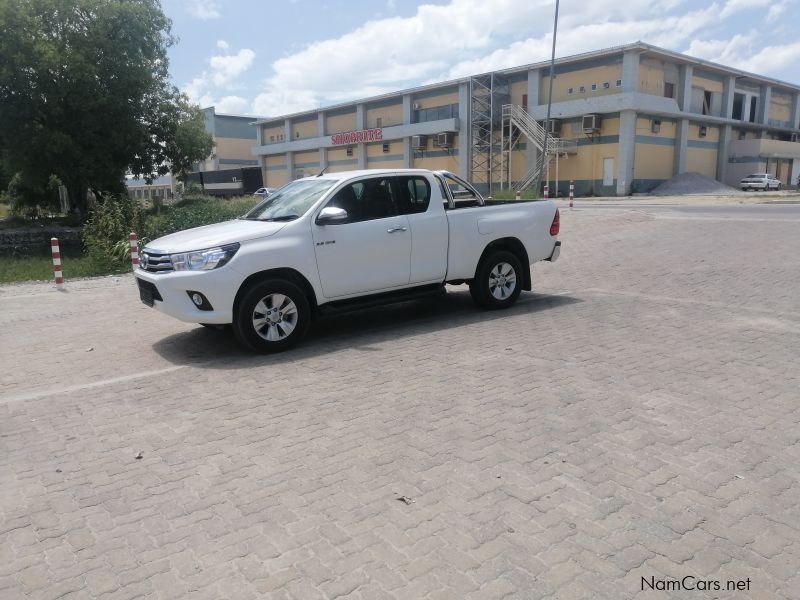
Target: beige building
(623, 120)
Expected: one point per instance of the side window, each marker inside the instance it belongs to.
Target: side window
(415, 194)
(366, 200)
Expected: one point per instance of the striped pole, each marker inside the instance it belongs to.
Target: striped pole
(571, 192)
(57, 263)
(519, 195)
(134, 250)
(546, 191)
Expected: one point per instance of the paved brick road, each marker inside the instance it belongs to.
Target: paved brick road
(638, 416)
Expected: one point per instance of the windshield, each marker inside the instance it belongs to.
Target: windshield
(291, 201)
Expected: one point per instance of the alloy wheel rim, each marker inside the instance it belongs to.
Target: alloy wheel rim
(502, 281)
(275, 317)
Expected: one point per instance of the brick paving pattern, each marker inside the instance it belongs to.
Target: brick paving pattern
(637, 416)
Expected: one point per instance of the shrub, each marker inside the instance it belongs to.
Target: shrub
(105, 234)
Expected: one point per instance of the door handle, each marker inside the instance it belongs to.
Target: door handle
(396, 229)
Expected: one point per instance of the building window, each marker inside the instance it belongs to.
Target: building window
(350, 151)
(606, 85)
(569, 91)
(379, 122)
(297, 134)
(703, 131)
(272, 138)
(618, 83)
(582, 89)
(594, 87)
(436, 113)
(655, 125)
(386, 148)
(524, 101)
(669, 90)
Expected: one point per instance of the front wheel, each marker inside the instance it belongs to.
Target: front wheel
(497, 280)
(272, 316)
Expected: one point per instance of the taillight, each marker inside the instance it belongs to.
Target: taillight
(556, 224)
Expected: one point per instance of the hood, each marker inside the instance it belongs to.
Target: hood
(210, 236)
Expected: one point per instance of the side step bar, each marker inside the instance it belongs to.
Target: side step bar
(343, 306)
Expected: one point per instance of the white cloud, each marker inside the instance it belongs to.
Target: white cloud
(203, 9)
(232, 105)
(742, 52)
(466, 37)
(226, 68)
(225, 74)
(733, 6)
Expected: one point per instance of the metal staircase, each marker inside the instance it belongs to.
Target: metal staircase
(518, 123)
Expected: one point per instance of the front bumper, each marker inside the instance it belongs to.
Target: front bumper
(167, 292)
(556, 252)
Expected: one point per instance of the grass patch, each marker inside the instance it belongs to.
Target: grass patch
(40, 267)
(5, 210)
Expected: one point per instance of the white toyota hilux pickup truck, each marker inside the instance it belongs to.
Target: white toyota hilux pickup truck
(342, 241)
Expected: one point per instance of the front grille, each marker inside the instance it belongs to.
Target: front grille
(148, 292)
(155, 263)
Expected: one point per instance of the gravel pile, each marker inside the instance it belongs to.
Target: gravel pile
(693, 184)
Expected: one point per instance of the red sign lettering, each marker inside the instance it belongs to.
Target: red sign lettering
(356, 137)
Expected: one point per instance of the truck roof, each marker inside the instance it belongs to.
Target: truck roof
(339, 175)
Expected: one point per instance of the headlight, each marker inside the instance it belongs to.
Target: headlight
(203, 260)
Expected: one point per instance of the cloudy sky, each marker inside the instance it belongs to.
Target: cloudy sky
(272, 57)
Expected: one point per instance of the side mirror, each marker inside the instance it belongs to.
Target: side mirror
(332, 215)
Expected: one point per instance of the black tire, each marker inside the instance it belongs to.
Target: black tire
(277, 295)
(490, 288)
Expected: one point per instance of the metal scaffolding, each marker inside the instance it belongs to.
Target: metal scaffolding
(488, 93)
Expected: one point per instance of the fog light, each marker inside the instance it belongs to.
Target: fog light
(199, 300)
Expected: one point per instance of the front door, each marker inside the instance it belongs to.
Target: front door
(371, 250)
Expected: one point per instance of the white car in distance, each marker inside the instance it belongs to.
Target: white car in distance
(760, 181)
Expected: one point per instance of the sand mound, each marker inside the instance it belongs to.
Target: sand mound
(693, 184)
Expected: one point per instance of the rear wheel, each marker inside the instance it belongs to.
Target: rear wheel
(497, 280)
(272, 316)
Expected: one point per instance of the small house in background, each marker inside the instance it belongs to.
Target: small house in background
(161, 190)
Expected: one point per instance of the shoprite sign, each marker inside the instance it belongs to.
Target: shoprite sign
(354, 137)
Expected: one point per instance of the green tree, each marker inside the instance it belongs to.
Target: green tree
(85, 94)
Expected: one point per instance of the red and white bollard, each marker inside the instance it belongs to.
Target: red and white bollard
(519, 195)
(571, 192)
(134, 250)
(57, 263)
(546, 191)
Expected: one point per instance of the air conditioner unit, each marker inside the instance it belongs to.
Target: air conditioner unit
(444, 139)
(419, 142)
(591, 123)
(416, 106)
(553, 127)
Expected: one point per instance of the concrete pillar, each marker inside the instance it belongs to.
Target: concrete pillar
(408, 157)
(361, 123)
(407, 109)
(796, 111)
(725, 133)
(323, 159)
(263, 163)
(764, 97)
(728, 87)
(321, 124)
(627, 145)
(534, 83)
(464, 133)
(685, 74)
(259, 131)
(290, 165)
(287, 130)
(681, 146)
(630, 71)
